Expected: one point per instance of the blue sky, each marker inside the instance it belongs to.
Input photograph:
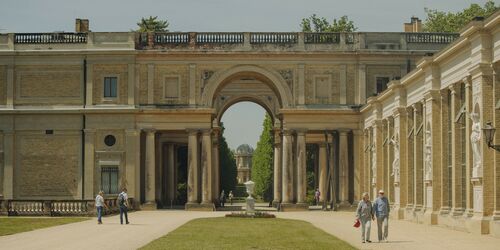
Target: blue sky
(243, 121)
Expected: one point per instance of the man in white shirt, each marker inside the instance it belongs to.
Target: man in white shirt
(99, 204)
(123, 204)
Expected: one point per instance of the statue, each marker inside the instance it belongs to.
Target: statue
(374, 164)
(428, 155)
(475, 138)
(395, 163)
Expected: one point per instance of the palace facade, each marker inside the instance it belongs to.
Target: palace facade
(405, 112)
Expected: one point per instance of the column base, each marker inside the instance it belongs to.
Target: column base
(430, 217)
(290, 207)
(478, 224)
(276, 204)
(151, 205)
(200, 207)
(345, 206)
(495, 224)
(397, 213)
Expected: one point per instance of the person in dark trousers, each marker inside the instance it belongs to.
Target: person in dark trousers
(381, 209)
(222, 198)
(123, 203)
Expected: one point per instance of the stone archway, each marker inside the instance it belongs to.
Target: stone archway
(271, 79)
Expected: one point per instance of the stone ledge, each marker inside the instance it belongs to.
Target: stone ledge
(149, 206)
(290, 207)
(200, 207)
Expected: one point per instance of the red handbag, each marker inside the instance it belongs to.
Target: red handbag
(357, 223)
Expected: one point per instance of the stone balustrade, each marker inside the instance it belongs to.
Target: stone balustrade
(56, 207)
(226, 41)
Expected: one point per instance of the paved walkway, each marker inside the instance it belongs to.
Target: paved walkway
(144, 227)
(149, 225)
(402, 234)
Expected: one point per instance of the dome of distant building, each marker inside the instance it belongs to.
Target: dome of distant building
(244, 149)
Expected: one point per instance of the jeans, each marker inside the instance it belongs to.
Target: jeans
(123, 211)
(366, 226)
(99, 214)
(383, 221)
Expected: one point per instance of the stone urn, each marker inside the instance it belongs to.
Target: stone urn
(250, 201)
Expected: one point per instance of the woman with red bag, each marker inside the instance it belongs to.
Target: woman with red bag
(364, 213)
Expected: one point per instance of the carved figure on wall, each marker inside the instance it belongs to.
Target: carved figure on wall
(374, 163)
(428, 155)
(395, 163)
(475, 140)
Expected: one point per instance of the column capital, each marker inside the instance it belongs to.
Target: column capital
(206, 132)
(357, 132)
(467, 81)
(343, 131)
(149, 130)
(192, 131)
(301, 132)
(399, 111)
(287, 132)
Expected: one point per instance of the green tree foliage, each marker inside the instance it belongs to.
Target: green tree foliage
(441, 21)
(227, 163)
(321, 24)
(152, 24)
(262, 162)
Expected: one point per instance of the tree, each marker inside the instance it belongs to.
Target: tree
(227, 163)
(320, 24)
(262, 162)
(441, 21)
(152, 24)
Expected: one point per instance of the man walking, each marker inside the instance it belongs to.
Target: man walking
(123, 203)
(382, 209)
(100, 204)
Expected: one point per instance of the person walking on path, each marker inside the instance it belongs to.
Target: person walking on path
(364, 213)
(123, 203)
(317, 194)
(100, 204)
(222, 198)
(230, 196)
(382, 209)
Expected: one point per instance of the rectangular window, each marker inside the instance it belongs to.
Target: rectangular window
(382, 83)
(109, 179)
(110, 87)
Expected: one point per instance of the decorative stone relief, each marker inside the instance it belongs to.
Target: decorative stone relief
(287, 74)
(374, 164)
(395, 163)
(428, 155)
(475, 140)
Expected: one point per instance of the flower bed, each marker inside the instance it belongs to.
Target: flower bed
(250, 215)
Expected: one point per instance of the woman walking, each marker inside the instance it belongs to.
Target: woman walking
(364, 214)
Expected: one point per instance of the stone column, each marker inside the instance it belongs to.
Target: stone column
(287, 166)
(469, 207)
(432, 164)
(193, 184)
(215, 164)
(206, 167)
(377, 158)
(343, 168)
(150, 169)
(301, 167)
(89, 99)
(358, 158)
(361, 95)
(457, 208)
(399, 164)
(277, 166)
(418, 157)
(171, 169)
(89, 167)
(445, 153)
(410, 167)
(322, 171)
(495, 224)
(8, 167)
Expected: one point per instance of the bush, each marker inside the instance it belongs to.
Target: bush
(248, 215)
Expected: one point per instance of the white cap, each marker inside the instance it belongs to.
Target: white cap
(381, 191)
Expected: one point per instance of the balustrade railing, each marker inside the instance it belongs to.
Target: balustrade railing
(57, 207)
(274, 38)
(45, 38)
(430, 37)
(25, 208)
(318, 38)
(171, 38)
(227, 38)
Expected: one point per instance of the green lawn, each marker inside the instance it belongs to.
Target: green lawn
(247, 233)
(13, 225)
